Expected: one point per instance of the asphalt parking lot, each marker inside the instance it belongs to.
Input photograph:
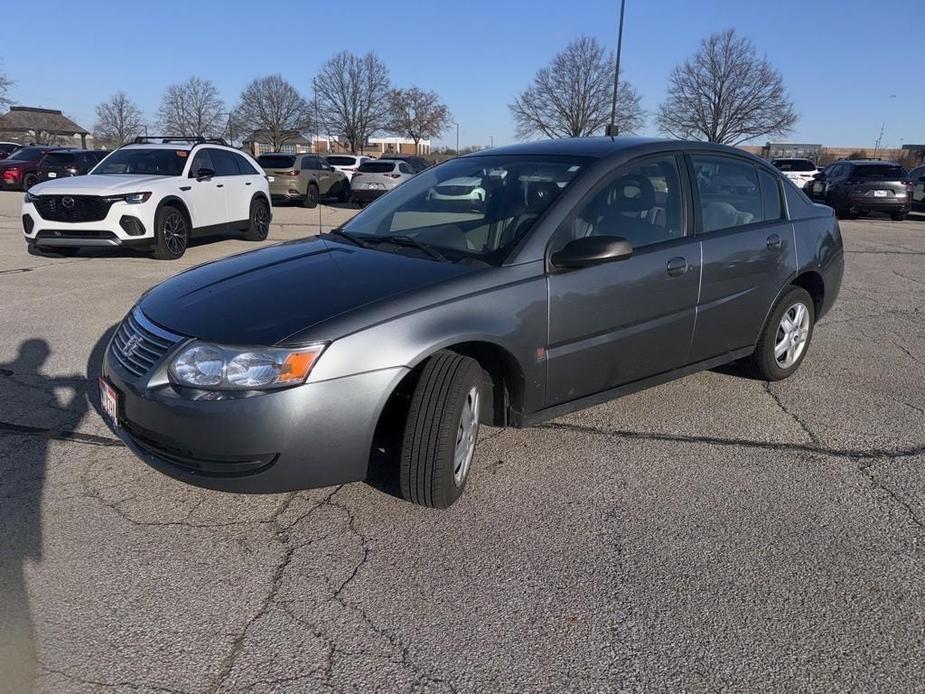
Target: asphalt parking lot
(712, 534)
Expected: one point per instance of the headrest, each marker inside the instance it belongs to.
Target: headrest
(632, 194)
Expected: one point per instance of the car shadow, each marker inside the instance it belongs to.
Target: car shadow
(125, 252)
(24, 461)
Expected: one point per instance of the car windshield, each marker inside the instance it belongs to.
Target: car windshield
(794, 164)
(143, 162)
(472, 207)
(27, 154)
(879, 172)
(341, 161)
(58, 159)
(276, 161)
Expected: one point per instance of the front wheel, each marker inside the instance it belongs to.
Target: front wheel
(259, 227)
(786, 336)
(171, 233)
(442, 430)
(344, 194)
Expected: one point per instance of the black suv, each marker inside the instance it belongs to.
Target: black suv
(859, 186)
(68, 162)
(417, 164)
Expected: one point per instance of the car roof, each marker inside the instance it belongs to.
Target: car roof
(187, 146)
(603, 146)
(869, 162)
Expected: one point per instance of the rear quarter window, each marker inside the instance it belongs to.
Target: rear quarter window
(276, 161)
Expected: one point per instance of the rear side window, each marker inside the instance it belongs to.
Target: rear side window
(310, 164)
(878, 172)
(224, 163)
(770, 195)
(276, 161)
(728, 191)
(377, 166)
(803, 165)
(58, 159)
(244, 166)
(342, 161)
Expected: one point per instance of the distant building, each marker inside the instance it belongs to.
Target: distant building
(258, 143)
(29, 125)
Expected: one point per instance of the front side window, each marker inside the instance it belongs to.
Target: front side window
(202, 160)
(143, 162)
(472, 207)
(644, 204)
(728, 191)
(276, 161)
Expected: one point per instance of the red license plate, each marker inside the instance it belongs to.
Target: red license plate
(109, 400)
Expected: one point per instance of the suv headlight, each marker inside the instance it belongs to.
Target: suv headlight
(130, 198)
(29, 197)
(213, 367)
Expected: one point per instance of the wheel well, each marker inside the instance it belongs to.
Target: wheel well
(812, 282)
(180, 205)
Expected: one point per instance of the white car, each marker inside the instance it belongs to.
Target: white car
(347, 164)
(153, 195)
(464, 190)
(917, 176)
(800, 171)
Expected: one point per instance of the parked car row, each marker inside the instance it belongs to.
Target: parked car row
(23, 167)
(856, 187)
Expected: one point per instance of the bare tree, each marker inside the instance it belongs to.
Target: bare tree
(118, 120)
(5, 84)
(725, 93)
(272, 105)
(352, 97)
(192, 108)
(571, 97)
(418, 114)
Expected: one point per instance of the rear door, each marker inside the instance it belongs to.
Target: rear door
(748, 251)
(252, 180)
(207, 196)
(237, 199)
(619, 322)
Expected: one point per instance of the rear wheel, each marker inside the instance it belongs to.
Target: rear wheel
(898, 216)
(29, 180)
(171, 232)
(259, 227)
(312, 196)
(343, 194)
(785, 339)
(441, 431)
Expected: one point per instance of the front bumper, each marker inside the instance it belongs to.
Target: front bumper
(314, 435)
(109, 231)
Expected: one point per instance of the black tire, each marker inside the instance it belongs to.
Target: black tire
(764, 361)
(259, 227)
(343, 195)
(29, 180)
(898, 216)
(171, 233)
(429, 473)
(312, 196)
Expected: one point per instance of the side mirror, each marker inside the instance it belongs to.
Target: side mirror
(592, 250)
(204, 174)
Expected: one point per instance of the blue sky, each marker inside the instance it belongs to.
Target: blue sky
(477, 54)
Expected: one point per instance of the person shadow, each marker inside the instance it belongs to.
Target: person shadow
(35, 409)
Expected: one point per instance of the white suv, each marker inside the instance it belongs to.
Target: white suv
(154, 195)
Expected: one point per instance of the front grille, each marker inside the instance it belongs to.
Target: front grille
(138, 345)
(72, 208)
(454, 190)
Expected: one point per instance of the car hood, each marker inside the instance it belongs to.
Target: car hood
(96, 185)
(264, 296)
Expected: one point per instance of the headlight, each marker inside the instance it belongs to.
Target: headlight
(29, 197)
(130, 198)
(213, 367)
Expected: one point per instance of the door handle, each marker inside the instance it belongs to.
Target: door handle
(220, 185)
(677, 267)
(247, 183)
(774, 241)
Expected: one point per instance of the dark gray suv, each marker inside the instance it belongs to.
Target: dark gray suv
(596, 267)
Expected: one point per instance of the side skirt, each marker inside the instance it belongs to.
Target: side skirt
(520, 420)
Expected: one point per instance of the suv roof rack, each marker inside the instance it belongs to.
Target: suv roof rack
(167, 139)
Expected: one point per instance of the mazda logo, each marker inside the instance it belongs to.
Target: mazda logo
(68, 202)
(131, 344)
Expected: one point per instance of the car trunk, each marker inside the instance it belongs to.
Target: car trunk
(377, 176)
(59, 166)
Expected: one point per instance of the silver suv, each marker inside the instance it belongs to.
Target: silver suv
(377, 177)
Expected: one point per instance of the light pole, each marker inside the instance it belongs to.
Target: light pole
(457, 137)
(612, 128)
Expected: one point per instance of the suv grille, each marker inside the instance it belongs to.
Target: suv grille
(138, 345)
(72, 208)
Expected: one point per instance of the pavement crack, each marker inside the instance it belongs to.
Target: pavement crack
(866, 469)
(806, 430)
(122, 685)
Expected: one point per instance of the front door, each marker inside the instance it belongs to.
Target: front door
(748, 251)
(208, 208)
(622, 321)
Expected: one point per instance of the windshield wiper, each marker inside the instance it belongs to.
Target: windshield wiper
(404, 240)
(356, 240)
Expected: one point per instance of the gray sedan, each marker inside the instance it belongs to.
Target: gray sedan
(595, 267)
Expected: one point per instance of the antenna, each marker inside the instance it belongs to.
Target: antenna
(612, 128)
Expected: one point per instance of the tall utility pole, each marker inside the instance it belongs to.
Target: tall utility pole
(612, 128)
(457, 139)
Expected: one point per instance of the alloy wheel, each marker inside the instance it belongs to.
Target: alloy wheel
(466, 437)
(175, 233)
(262, 220)
(792, 334)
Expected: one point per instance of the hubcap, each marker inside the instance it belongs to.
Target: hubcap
(261, 220)
(466, 436)
(175, 233)
(792, 334)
